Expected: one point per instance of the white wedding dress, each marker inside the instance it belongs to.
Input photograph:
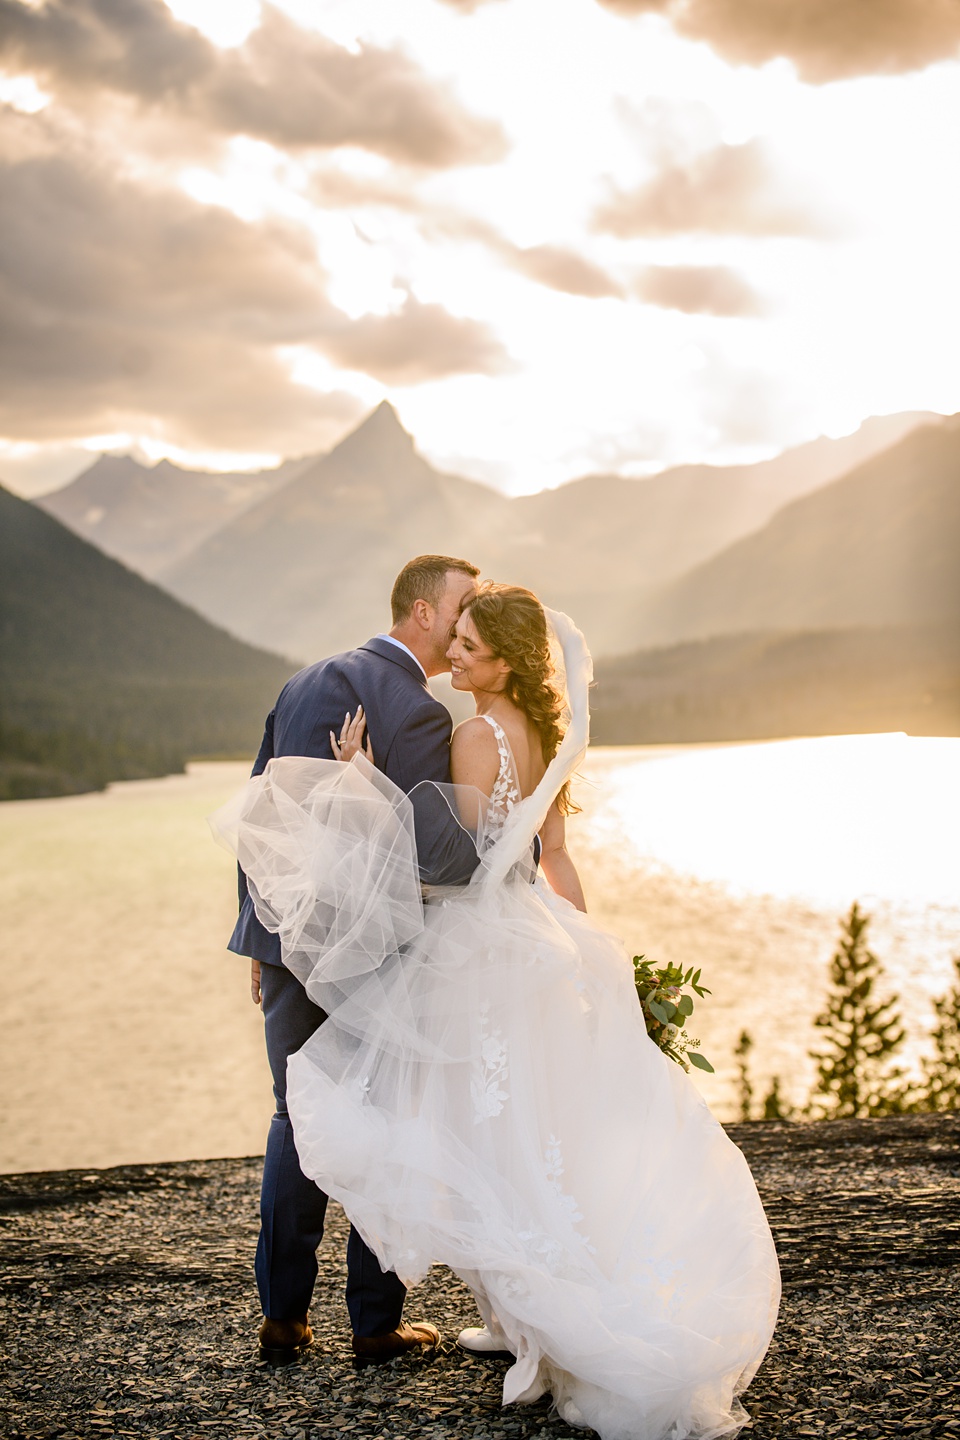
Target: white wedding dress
(484, 1095)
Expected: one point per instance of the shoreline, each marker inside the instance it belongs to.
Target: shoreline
(130, 1307)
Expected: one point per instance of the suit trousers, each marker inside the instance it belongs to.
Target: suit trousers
(292, 1208)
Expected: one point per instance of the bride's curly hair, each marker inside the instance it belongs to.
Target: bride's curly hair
(511, 622)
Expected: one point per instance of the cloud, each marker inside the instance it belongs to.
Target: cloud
(825, 39)
(415, 344)
(698, 290)
(285, 85)
(131, 308)
(556, 266)
(726, 190)
(297, 89)
(136, 48)
(561, 269)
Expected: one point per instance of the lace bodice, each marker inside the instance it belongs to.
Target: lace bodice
(506, 789)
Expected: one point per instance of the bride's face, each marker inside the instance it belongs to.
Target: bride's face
(473, 665)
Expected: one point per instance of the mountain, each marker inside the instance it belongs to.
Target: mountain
(771, 684)
(104, 676)
(878, 547)
(572, 540)
(151, 516)
(309, 568)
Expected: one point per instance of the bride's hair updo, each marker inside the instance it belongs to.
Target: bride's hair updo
(511, 622)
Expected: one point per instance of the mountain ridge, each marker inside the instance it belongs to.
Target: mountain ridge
(106, 676)
(876, 547)
(148, 516)
(309, 567)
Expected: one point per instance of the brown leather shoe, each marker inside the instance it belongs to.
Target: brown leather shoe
(377, 1349)
(283, 1341)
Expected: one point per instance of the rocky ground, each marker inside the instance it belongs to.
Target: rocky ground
(128, 1305)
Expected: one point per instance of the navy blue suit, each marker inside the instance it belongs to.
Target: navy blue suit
(410, 733)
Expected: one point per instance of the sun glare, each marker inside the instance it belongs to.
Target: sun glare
(225, 22)
(213, 460)
(21, 92)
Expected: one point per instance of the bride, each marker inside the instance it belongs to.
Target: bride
(483, 1093)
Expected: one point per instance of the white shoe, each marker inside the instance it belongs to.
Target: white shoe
(481, 1341)
(572, 1413)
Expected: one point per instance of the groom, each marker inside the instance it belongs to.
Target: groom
(410, 733)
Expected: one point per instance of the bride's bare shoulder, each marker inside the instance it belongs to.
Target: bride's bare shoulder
(474, 757)
(475, 733)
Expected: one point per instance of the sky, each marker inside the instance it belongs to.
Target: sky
(560, 236)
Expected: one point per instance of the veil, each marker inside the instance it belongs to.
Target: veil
(330, 855)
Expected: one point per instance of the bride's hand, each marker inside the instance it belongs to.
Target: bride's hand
(351, 738)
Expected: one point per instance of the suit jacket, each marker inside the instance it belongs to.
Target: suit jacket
(410, 733)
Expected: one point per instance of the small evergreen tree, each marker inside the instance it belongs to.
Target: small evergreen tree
(774, 1105)
(941, 1072)
(860, 1034)
(744, 1046)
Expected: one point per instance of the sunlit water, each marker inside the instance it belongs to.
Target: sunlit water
(129, 1034)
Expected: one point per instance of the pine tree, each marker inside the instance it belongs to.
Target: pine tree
(860, 1034)
(744, 1046)
(941, 1072)
(775, 1107)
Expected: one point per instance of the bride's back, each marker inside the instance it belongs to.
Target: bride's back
(523, 738)
(476, 755)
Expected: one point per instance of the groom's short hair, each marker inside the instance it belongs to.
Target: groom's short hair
(425, 578)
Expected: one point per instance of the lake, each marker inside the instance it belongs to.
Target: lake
(129, 1034)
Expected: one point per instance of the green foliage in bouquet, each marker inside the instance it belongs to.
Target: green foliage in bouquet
(666, 1009)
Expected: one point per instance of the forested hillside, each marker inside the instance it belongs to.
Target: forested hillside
(772, 684)
(102, 675)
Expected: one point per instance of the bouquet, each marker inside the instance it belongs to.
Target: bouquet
(666, 1010)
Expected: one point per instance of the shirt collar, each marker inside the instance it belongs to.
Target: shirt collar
(392, 640)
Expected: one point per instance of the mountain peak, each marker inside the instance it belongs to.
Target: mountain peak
(381, 430)
(386, 413)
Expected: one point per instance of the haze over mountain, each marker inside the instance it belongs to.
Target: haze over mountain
(308, 569)
(105, 676)
(149, 516)
(603, 534)
(878, 547)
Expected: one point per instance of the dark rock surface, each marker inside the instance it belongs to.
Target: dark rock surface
(129, 1309)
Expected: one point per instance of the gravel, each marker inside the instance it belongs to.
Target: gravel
(128, 1306)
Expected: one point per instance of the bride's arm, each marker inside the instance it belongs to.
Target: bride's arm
(555, 862)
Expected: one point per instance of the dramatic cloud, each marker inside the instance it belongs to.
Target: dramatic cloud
(825, 39)
(297, 89)
(123, 304)
(417, 343)
(136, 48)
(285, 85)
(698, 290)
(727, 190)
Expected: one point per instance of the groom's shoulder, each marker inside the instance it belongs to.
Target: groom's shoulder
(371, 664)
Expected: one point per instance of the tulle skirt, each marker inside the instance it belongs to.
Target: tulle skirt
(489, 1099)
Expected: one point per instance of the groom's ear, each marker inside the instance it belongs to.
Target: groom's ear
(423, 612)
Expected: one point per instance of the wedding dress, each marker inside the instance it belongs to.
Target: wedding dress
(484, 1094)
